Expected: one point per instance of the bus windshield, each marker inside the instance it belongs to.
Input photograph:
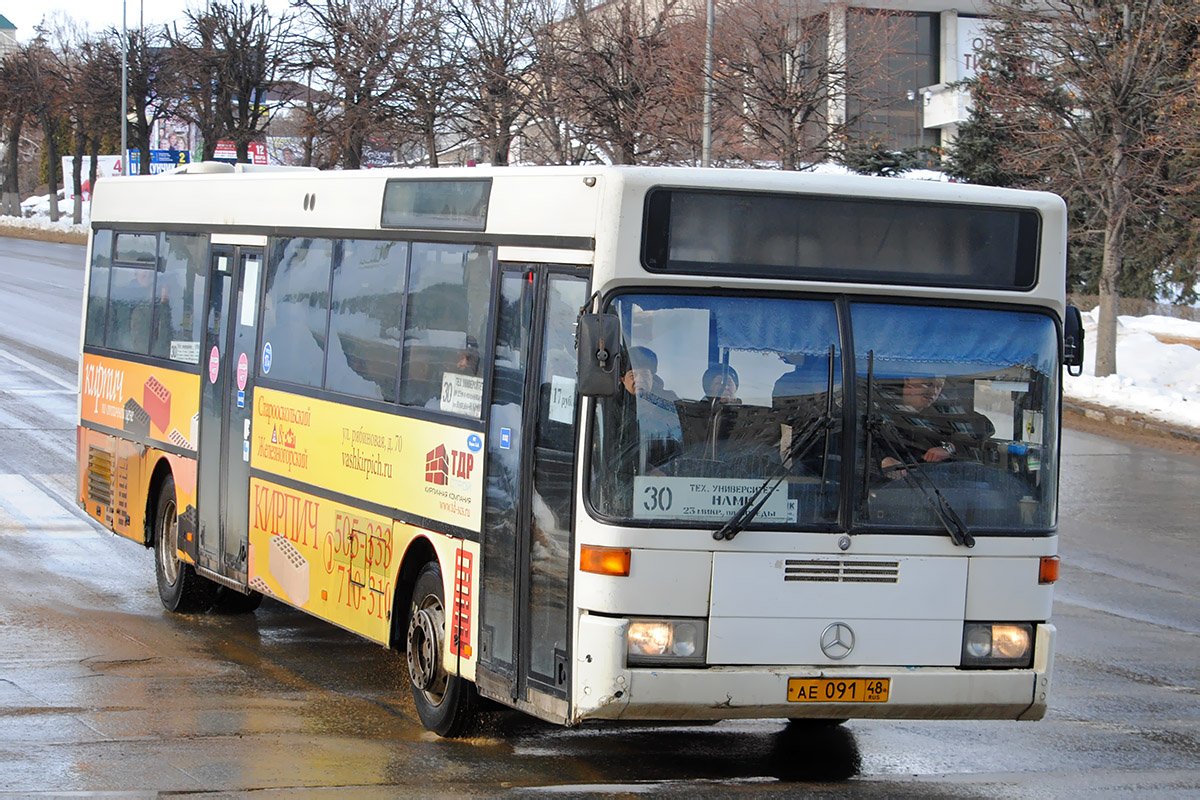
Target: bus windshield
(956, 408)
(717, 392)
(722, 397)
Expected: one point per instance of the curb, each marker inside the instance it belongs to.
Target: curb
(57, 236)
(1131, 421)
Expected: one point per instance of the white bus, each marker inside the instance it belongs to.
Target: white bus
(598, 443)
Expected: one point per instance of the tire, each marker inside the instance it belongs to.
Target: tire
(179, 587)
(231, 601)
(445, 703)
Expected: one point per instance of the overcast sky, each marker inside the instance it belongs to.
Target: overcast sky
(101, 14)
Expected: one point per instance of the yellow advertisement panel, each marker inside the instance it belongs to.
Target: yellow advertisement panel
(424, 468)
(148, 402)
(340, 564)
(332, 561)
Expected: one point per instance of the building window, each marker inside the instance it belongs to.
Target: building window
(888, 109)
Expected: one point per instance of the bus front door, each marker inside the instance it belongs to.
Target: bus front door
(525, 613)
(223, 488)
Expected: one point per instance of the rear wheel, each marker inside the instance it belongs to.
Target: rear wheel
(179, 587)
(444, 702)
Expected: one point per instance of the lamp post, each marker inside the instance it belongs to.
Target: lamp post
(124, 92)
(706, 124)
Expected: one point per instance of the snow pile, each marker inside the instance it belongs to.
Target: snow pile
(1159, 380)
(37, 210)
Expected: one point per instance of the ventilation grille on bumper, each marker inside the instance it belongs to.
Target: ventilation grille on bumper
(100, 476)
(818, 570)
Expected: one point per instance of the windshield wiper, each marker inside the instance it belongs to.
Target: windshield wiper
(797, 449)
(885, 429)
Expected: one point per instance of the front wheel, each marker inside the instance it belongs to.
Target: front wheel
(444, 702)
(179, 587)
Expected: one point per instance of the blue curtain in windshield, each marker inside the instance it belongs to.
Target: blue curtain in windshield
(913, 340)
(758, 324)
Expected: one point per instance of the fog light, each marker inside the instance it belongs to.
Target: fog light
(997, 645)
(665, 641)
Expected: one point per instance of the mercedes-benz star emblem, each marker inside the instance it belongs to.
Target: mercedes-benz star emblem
(837, 640)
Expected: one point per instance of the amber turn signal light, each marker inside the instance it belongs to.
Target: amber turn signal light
(1049, 570)
(604, 560)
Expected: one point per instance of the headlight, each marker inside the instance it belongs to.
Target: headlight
(666, 641)
(997, 645)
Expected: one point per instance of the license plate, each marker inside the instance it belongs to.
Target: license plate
(828, 690)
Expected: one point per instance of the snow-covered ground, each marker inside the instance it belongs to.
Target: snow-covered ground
(1158, 380)
(35, 215)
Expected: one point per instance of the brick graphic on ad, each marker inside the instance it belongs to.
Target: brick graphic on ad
(157, 400)
(260, 586)
(437, 466)
(179, 440)
(137, 421)
(289, 569)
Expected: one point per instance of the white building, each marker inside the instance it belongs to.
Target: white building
(8, 36)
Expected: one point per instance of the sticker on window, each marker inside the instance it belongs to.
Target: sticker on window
(562, 399)
(462, 394)
(187, 352)
(712, 499)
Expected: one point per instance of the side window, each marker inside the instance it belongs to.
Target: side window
(295, 312)
(131, 292)
(179, 298)
(97, 309)
(449, 295)
(365, 318)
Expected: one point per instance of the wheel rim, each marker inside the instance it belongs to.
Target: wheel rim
(425, 637)
(168, 542)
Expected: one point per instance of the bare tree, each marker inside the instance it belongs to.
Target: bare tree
(36, 72)
(15, 109)
(196, 59)
(618, 72)
(152, 94)
(89, 96)
(498, 45)
(429, 73)
(784, 75)
(229, 55)
(550, 136)
(350, 47)
(250, 43)
(1095, 98)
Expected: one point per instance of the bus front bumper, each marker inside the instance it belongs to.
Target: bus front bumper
(605, 688)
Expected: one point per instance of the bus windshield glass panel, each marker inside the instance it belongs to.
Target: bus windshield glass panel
(727, 398)
(459, 205)
(961, 401)
(718, 395)
(819, 237)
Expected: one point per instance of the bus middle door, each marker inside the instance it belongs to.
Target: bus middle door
(525, 610)
(226, 409)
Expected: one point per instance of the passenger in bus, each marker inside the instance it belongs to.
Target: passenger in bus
(720, 383)
(468, 357)
(648, 415)
(921, 426)
(809, 376)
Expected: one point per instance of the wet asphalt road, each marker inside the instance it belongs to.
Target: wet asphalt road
(103, 691)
